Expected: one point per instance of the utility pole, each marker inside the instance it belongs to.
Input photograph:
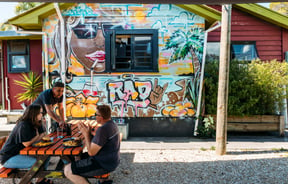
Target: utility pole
(222, 100)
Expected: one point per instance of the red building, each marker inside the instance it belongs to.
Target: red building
(259, 31)
(33, 50)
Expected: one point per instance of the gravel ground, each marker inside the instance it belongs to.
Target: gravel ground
(197, 166)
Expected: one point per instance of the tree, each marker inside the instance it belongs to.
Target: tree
(280, 7)
(20, 8)
(5, 27)
(24, 6)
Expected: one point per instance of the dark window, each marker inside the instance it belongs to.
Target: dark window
(241, 51)
(132, 50)
(18, 56)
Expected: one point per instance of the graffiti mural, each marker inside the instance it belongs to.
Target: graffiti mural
(137, 94)
(170, 92)
(132, 96)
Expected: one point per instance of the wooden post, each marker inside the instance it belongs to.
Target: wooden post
(222, 100)
(282, 125)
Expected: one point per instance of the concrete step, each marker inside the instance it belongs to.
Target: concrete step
(3, 120)
(6, 129)
(11, 116)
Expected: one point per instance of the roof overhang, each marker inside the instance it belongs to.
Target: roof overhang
(12, 35)
(264, 14)
(32, 19)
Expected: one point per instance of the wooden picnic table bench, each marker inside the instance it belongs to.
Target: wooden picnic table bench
(43, 153)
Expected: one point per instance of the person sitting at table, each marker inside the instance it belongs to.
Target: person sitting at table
(28, 130)
(103, 147)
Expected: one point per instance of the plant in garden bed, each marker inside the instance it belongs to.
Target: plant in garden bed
(254, 88)
(207, 128)
(32, 85)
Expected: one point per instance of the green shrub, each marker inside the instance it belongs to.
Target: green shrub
(255, 88)
(207, 128)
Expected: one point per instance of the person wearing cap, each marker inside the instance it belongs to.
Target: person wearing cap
(48, 98)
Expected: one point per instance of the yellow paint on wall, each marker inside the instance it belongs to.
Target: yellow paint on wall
(75, 67)
(80, 106)
(55, 66)
(140, 17)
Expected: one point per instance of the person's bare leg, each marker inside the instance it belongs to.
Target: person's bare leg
(72, 177)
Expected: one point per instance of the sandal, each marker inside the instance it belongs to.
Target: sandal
(45, 181)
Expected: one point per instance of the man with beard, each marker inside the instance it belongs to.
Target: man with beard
(48, 98)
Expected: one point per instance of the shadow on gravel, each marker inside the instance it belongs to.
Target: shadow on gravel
(231, 136)
(169, 139)
(241, 171)
(251, 152)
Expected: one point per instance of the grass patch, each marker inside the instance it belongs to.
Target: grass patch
(279, 149)
(203, 149)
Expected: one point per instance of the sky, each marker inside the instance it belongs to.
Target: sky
(7, 10)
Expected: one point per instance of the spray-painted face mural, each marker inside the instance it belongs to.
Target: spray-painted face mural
(172, 92)
(88, 44)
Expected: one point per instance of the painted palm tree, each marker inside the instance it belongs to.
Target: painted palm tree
(184, 43)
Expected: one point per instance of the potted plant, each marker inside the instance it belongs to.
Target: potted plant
(32, 86)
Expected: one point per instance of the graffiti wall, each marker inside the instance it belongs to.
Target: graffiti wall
(172, 91)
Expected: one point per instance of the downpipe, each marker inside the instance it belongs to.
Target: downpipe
(202, 75)
(7, 94)
(62, 60)
(2, 75)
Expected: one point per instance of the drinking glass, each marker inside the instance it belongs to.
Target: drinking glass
(59, 132)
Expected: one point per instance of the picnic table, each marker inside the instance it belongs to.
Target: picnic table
(55, 149)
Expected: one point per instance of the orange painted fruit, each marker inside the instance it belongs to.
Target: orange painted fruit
(78, 110)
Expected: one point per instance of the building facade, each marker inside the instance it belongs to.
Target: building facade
(144, 60)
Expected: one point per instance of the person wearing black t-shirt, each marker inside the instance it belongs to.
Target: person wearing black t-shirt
(28, 130)
(48, 98)
(103, 147)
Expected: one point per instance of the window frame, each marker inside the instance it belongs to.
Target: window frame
(110, 49)
(244, 43)
(25, 54)
(239, 43)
